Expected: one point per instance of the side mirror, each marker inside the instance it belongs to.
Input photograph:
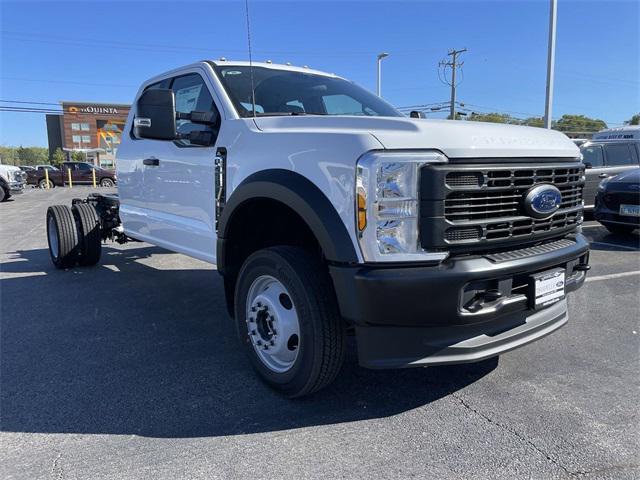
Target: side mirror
(588, 165)
(156, 115)
(417, 114)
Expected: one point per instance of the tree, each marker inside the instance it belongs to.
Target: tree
(77, 157)
(32, 155)
(533, 122)
(635, 120)
(9, 155)
(492, 118)
(579, 123)
(58, 157)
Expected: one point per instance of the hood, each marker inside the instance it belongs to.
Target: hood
(9, 168)
(630, 176)
(456, 139)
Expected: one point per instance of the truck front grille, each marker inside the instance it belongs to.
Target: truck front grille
(472, 206)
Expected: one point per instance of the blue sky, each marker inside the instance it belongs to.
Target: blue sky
(101, 51)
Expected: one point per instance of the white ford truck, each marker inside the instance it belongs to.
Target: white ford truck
(327, 212)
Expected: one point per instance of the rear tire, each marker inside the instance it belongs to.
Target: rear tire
(62, 236)
(106, 182)
(620, 229)
(89, 234)
(302, 291)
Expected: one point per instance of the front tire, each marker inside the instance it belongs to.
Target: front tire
(62, 236)
(288, 320)
(106, 182)
(4, 195)
(620, 229)
(89, 234)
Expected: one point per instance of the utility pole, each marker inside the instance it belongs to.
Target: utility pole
(551, 59)
(453, 64)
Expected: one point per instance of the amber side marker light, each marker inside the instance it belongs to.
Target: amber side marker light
(362, 210)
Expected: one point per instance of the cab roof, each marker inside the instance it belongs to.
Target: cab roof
(270, 65)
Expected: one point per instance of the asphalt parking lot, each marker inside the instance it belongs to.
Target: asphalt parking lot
(132, 370)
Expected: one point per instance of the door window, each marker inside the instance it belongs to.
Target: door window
(593, 154)
(619, 154)
(192, 94)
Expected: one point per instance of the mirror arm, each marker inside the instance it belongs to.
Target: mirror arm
(202, 138)
(203, 118)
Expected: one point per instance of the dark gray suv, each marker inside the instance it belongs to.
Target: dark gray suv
(605, 158)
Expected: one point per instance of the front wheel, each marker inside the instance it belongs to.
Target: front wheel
(288, 320)
(106, 182)
(4, 195)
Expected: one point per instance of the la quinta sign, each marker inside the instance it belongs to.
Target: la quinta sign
(97, 110)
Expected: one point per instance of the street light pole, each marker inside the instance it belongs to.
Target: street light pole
(380, 57)
(551, 58)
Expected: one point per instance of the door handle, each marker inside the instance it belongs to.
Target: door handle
(603, 175)
(151, 162)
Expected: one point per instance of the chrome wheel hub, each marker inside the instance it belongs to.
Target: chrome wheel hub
(272, 323)
(52, 233)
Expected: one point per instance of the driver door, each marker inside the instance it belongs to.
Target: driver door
(178, 188)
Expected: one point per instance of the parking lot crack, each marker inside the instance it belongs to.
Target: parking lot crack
(56, 469)
(516, 434)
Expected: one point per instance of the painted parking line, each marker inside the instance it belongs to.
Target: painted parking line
(612, 275)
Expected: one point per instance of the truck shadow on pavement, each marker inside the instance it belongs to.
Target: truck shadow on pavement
(125, 348)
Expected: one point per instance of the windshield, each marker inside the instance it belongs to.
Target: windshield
(283, 92)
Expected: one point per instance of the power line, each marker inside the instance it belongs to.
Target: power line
(30, 103)
(40, 80)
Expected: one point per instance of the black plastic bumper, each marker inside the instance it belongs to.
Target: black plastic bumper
(603, 214)
(405, 315)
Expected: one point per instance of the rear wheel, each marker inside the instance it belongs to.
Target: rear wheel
(106, 182)
(43, 183)
(288, 320)
(62, 236)
(616, 228)
(89, 234)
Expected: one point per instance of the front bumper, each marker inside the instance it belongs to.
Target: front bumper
(603, 214)
(462, 310)
(16, 187)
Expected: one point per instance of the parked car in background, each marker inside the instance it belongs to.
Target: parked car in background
(46, 167)
(12, 180)
(618, 202)
(609, 153)
(81, 174)
(27, 168)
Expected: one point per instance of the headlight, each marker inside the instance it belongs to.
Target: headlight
(602, 184)
(387, 206)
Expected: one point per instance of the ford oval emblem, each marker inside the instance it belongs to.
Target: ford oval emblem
(542, 201)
